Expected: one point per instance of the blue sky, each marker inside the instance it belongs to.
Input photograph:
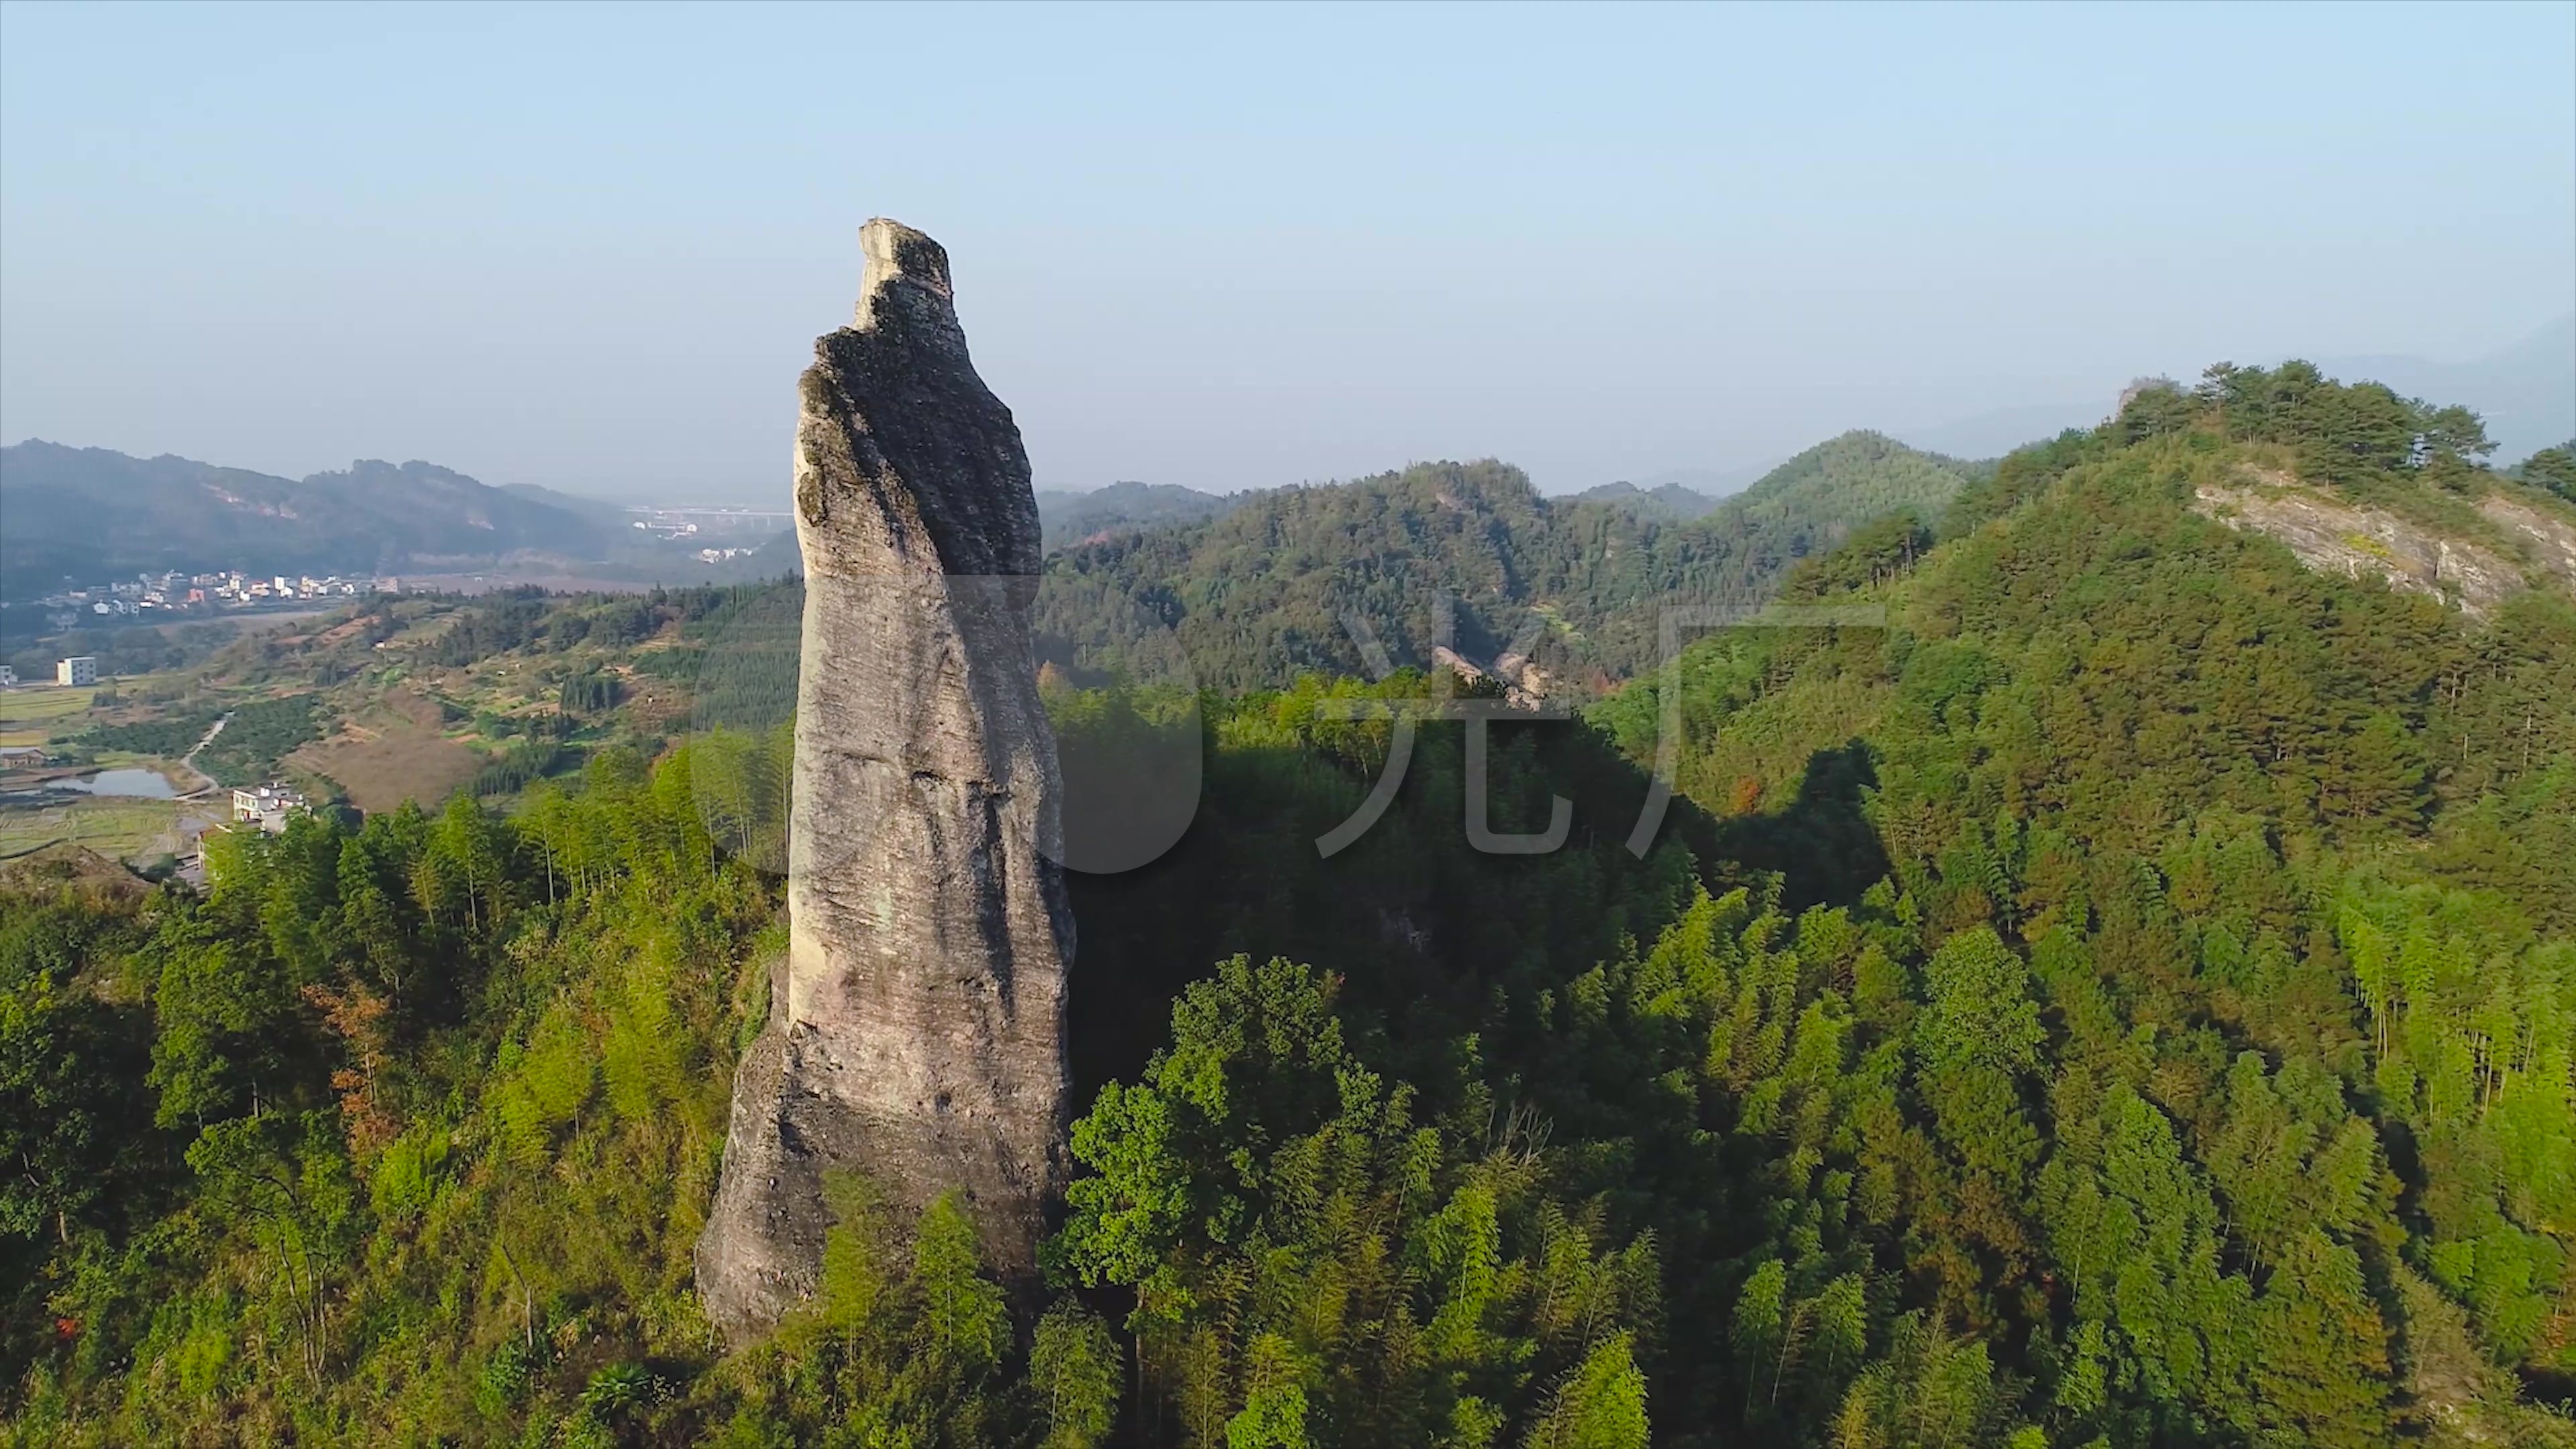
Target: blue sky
(591, 247)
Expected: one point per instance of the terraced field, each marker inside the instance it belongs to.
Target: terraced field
(119, 829)
(33, 715)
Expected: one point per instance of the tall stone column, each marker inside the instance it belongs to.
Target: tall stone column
(917, 1033)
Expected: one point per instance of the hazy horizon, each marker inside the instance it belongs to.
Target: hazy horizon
(1245, 248)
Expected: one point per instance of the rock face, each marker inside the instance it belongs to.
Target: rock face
(916, 1033)
(2331, 534)
(2549, 542)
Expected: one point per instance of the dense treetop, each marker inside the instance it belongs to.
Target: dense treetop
(2125, 996)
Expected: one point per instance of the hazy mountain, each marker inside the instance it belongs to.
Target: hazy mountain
(1712, 482)
(2526, 392)
(86, 513)
(601, 510)
(1069, 517)
(1845, 479)
(1672, 502)
(1992, 434)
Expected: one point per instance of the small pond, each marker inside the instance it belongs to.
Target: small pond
(149, 783)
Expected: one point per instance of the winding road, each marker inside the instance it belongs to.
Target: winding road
(190, 759)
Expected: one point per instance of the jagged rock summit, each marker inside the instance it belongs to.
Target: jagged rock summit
(916, 1032)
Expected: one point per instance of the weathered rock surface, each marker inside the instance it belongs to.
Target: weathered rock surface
(2548, 542)
(2332, 534)
(917, 1029)
(1524, 684)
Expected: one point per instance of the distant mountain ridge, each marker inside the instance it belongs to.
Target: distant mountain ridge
(1671, 502)
(86, 514)
(1464, 556)
(1069, 517)
(1846, 479)
(2525, 392)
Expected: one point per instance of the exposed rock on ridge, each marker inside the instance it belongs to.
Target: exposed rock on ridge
(2548, 542)
(917, 1030)
(2334, 535)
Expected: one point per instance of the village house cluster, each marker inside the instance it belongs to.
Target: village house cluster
(268, 805)
(680, 523)
(78, 671)
(223, 588)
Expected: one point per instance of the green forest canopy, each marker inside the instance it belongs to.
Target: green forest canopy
(2129, 999)
(1269, 588)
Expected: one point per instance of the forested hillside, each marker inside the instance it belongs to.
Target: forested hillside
(2126, 999)
(1069, 518)
(1266, 591)
(2255, 1121)
(405, 1131)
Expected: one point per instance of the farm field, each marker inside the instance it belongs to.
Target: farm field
(389, 753)
(48, 714)
(40, 706)
(117, 828)
(409, 700)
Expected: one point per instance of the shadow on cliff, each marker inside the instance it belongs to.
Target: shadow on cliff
(1431, 937)
(1823, 846)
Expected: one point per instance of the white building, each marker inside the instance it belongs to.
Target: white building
(269, 805)
(8, 677)
(78, 670)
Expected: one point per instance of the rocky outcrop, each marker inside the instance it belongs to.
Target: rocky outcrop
(2334, 535)
(2549, 541)
(917, 1029)
(1524, 684)
(1523, 674)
